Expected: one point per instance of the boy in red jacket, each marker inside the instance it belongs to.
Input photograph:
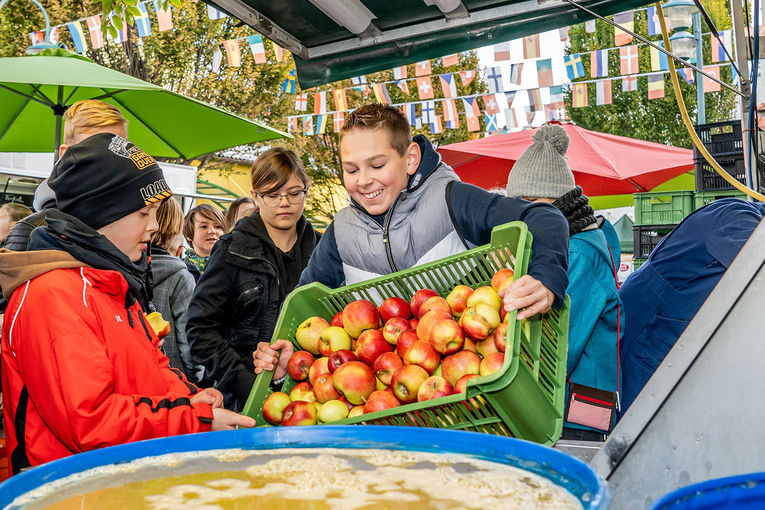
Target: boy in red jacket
(80, 365)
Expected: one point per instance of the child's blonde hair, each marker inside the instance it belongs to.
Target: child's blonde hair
(170, 220)
(90, 115)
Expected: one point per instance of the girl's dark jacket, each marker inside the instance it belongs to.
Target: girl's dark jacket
(237, 300)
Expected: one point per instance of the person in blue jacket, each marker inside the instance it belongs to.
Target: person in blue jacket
(664, 294)
(542, 174)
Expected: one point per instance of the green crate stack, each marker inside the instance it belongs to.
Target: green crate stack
(662, 207)
(636, 263)
(525, 399)
(703, 198)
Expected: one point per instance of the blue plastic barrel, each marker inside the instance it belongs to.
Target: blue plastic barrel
(744, 492)
(562, 469)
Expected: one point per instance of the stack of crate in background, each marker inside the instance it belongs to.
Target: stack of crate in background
(657, 213)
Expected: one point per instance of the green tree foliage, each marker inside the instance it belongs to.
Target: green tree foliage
(632, 113)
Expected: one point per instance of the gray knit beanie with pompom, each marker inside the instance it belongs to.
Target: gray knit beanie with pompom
(542, 170)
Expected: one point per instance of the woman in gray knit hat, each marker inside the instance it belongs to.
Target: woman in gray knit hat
(596, 324)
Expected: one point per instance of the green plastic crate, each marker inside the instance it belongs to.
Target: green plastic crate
(525, 399)
(662, 207)
(636, 263)
(703, 198)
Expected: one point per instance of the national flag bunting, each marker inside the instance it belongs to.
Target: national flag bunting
(122, 35)
(655, 86)
(628, 57)
(490, 103)
(579, 95)
(301, 102)
(574, 67)
(556, 97)
(233, 55)
(494, 80)
(629, 84)
(563, 33)
(491, 123)
(403, 85)
(658, 60)
(531, 46)
(381, 93)
(510, 98)
(652, 18)
(399, 73)
(321, 124)
(288, 85)
(410, 110)
(502, 51)
(510, 121)
(450, 60)
(589, 26)
(165, 21)
(599, 63)
(687, 74)
(308, 125)
(213, 13)
(718, 52)
(320, 102)
(257, 48)
(217, 60)
(422, 68)
(603, 92)
(94, 27)
(530, 117)
(278, 52)
(544, 73)
(37, 37)
(78, 38)
(338, 118)
(516, 73)
(711, 85)
(428, 112)
(467, 77)
(448, 85)
(470, 104)
(535, 100)
(435, 126)
(341, 100)
(627, 20)
(292, 125)
(424, 88)
(451, 116)
(143, 22)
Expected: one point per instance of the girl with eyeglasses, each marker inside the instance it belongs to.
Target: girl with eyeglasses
(250, 272)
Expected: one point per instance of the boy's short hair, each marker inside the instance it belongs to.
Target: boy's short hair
(170, 220)
(274, 168)
(90, 115)
(16, 211)
(233, 210)
(376, 116)
(208, 211)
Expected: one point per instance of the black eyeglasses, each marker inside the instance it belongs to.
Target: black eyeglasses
(275, 199)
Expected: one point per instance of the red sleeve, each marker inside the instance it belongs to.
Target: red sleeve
(55, 350)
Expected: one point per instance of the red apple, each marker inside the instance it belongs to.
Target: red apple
(425, 327)
(337, 358)
(457, 299)
(492, 363)
(479, 321)
(385, 365)
(320, 366)
(380, 401)
(356, 411)
(458, 364)
(333, 339)
(337, 320)
(393, 329)
(434, 387)
(413, 323)
(485, 295)
(469, 344)
(434, 303)
(419, 298)
(486, 346)
(299, 364)
(355, 380)
(274, 405)
(302, 391)
(500, 276)
(407, 381)
(299, 413)
(461, 385)
(500, 337)
(359, 316)
(405, 339)
(309, 332)
(394, 307)
(423, 354)
(324, 389)
(370, 345)
(447, 337)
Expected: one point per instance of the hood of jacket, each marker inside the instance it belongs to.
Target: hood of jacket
(18, 267)
(164, 265)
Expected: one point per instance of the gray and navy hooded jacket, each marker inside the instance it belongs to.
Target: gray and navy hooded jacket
(437, 215)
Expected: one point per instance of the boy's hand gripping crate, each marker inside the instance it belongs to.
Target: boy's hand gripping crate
(525, 399)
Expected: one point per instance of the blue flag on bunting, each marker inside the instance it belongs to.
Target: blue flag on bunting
(142, 22)
(574, 66)
(78, 37)
(288, 85)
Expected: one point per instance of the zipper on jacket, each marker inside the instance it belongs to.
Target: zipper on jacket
(386, 239)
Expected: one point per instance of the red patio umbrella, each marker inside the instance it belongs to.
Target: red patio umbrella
(603, 164)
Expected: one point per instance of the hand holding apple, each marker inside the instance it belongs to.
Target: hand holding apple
(527, 295)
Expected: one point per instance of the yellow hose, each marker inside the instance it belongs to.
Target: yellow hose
(687, 121)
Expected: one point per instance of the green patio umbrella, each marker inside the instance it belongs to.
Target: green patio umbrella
(36, 90)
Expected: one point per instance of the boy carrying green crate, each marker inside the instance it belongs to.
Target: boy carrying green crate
(408, 208)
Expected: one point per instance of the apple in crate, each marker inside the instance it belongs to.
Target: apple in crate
(492, 363)
(434, 303)
(425, 327)
(480, 321)
(359, 316)
(302, 391)
(459, 364)
(337, 319)
(324, 389)
(405, 339)
(370, 345)
(419, 298)
(299, 364)
(385, 365)
(469, 344)
(345, 401)
(380, 401)
(320, 366)
(485, 295)
(413, 323)
(356, 411)
(500, 277)
(486, 346)
(406, 383)
(423, 354)
(334, 410)
(457, 299)
(447, 337)
(500, 337)
(393, 328)
(274, 405)
(355, 380)
(337, 358)
(461, 385)
(299, 413)
(434, 387)
(394, 307)
(333, 339)
(309, 333)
